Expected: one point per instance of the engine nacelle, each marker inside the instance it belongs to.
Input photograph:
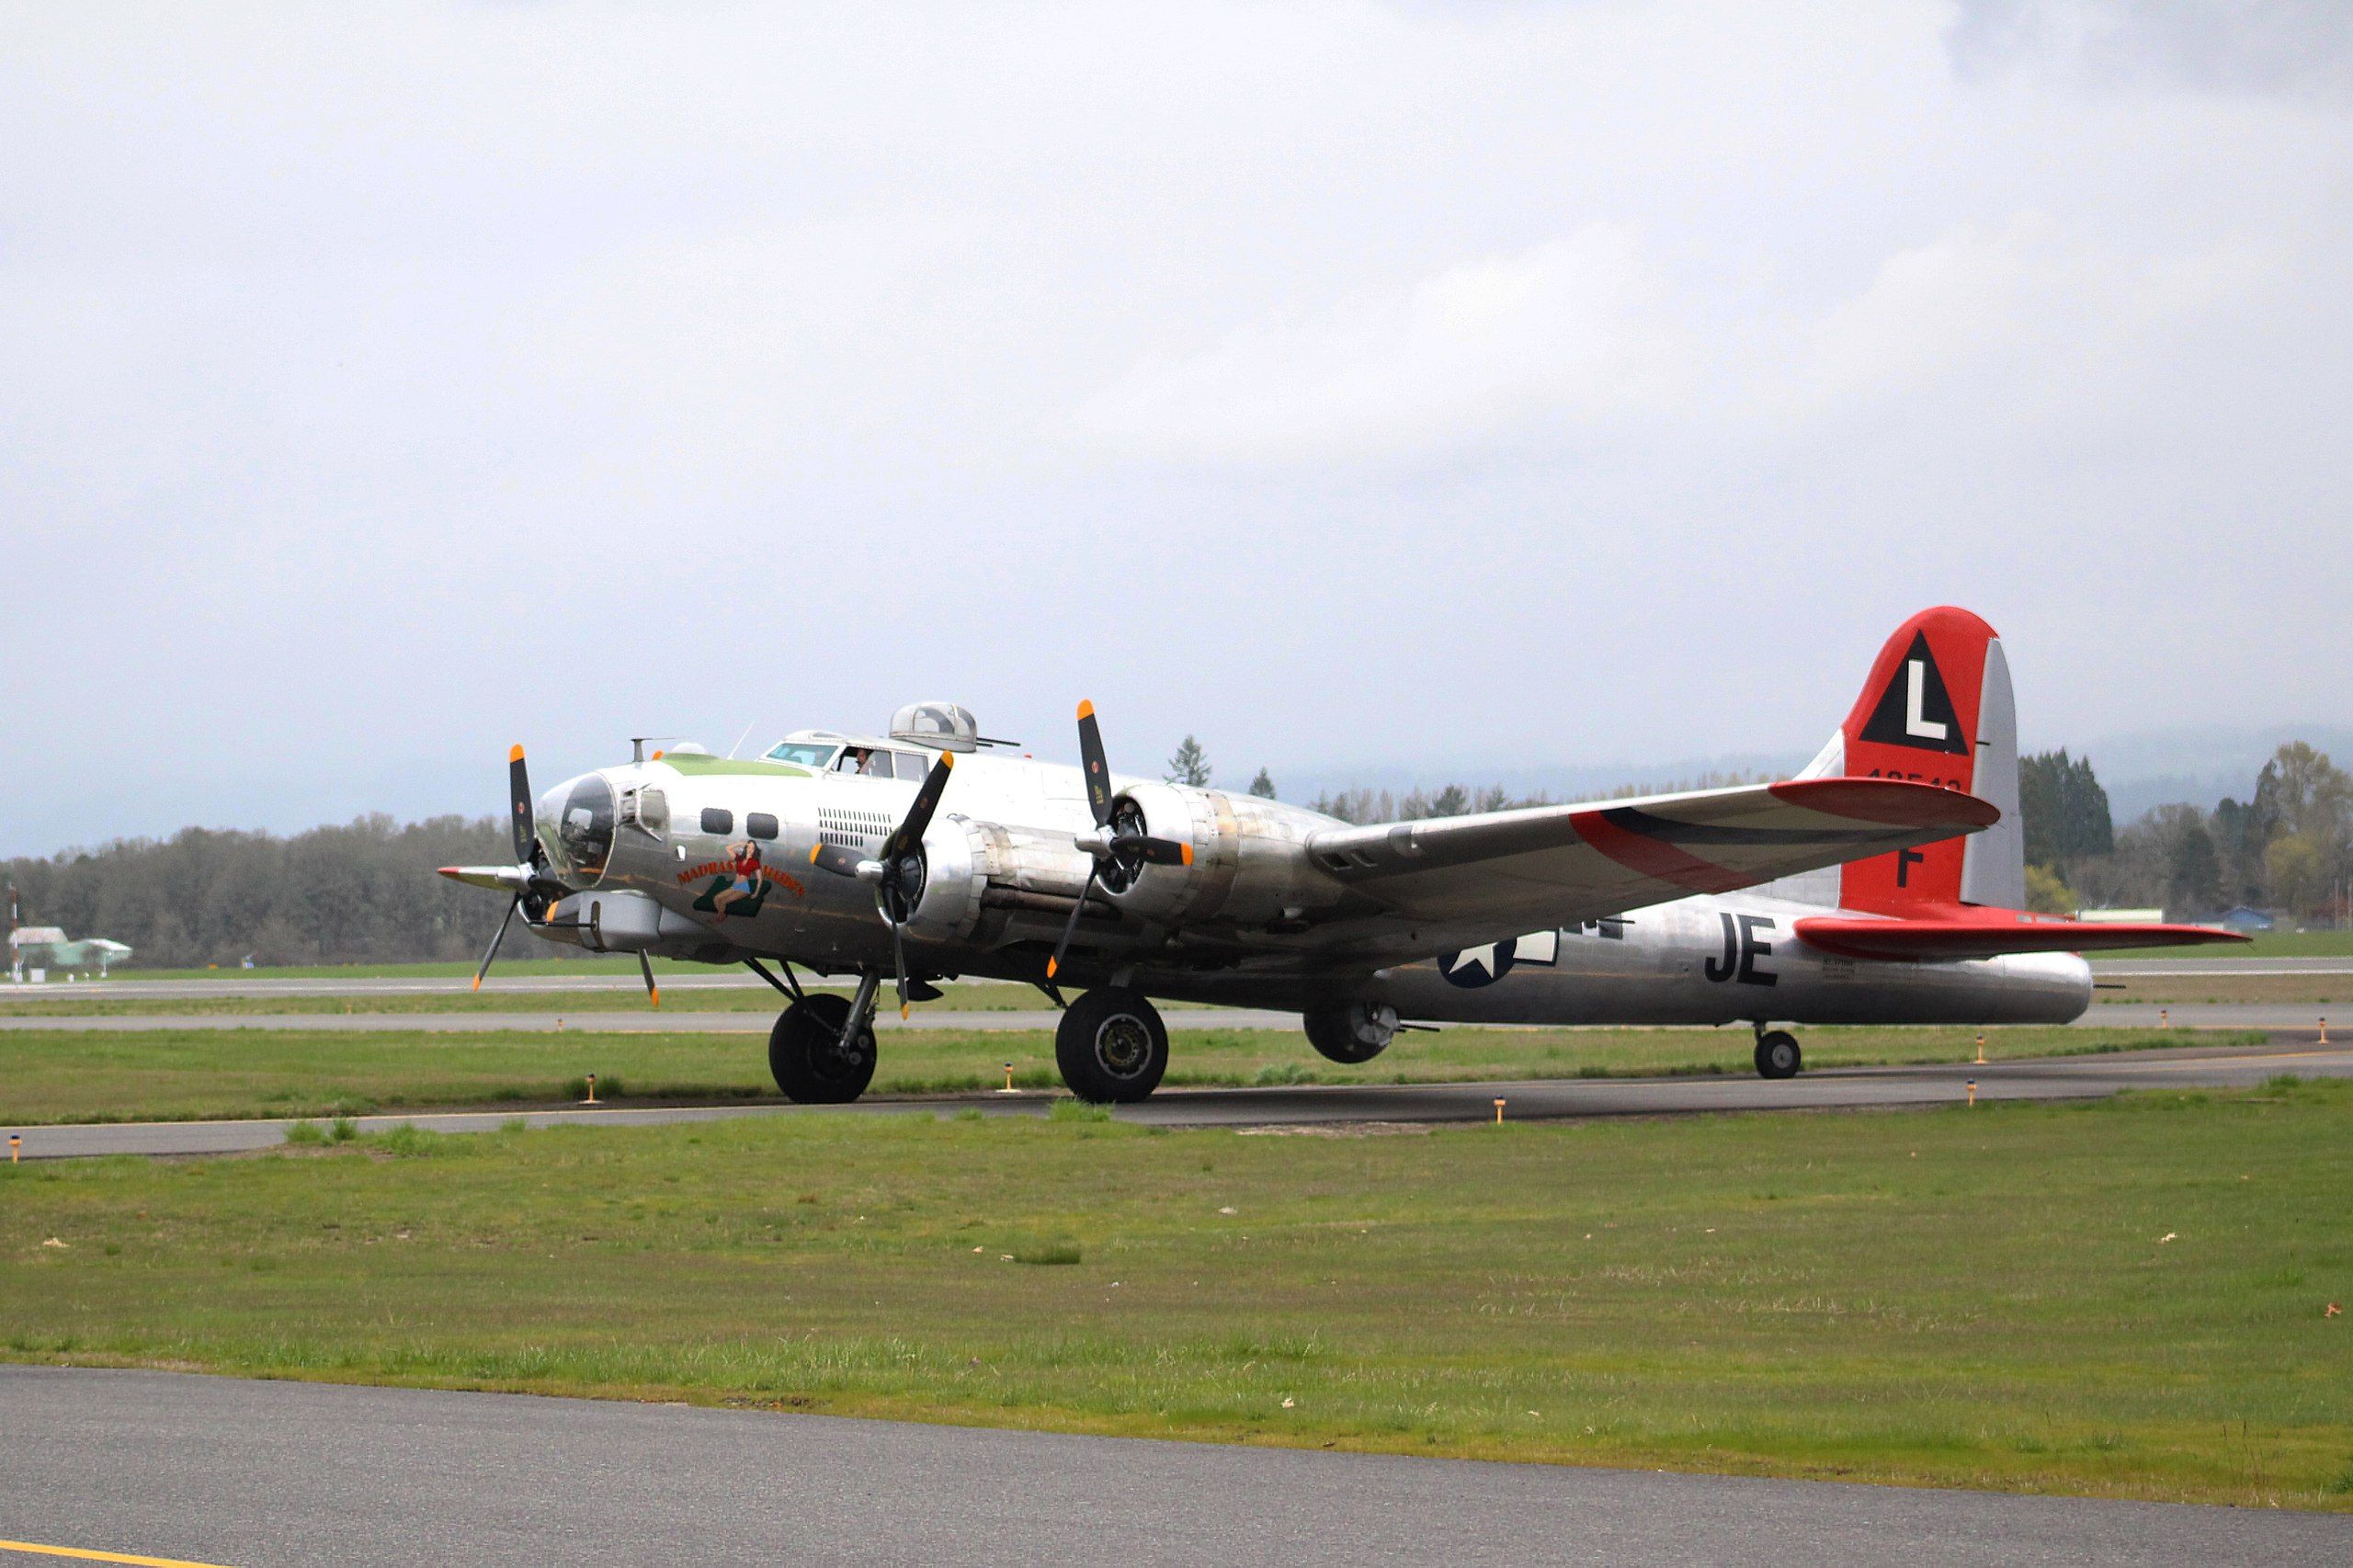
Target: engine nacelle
(1250, 863)
(955, 875)
(631, 922)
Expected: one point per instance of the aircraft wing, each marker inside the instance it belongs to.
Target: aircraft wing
(1984, 934)
(1544, 865)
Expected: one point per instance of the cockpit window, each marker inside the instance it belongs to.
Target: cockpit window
(804, 753)
(584, 829)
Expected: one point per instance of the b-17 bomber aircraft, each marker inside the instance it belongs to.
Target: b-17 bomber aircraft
(1883, 885)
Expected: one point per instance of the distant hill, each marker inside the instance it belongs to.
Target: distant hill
(1558, 781)
(2139, 769)
(2195, 765)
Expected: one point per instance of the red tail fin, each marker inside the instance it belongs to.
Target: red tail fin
(1937, 709)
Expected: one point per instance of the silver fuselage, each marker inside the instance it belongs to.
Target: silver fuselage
(997, 893)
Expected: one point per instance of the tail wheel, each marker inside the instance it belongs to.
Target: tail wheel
(1111, 1046)
(1778, 1055)
(806, 1054)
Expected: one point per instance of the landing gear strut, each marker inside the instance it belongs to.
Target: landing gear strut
(822, 1049)
(1777, 1054)
(1111, 1046)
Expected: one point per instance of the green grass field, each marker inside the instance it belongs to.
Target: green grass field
(202, 1074)
(969, 998)
(2317, 991)
(2124, 1298)
(460, 969)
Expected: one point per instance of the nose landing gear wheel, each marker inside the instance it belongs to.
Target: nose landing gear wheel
(1111, 1046)
(806, 1055)
(1778, 1055)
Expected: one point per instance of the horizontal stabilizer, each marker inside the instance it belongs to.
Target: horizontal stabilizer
(1973, 934)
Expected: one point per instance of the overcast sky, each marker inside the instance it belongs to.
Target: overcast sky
(1348, 383)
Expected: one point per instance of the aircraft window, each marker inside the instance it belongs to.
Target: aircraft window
(652, 809)
(852, 759)
(802, 754)
(718, 820)
(875, 765)
(910, 765)
(759, 824)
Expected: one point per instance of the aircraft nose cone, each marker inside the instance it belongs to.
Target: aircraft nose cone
(575, 824)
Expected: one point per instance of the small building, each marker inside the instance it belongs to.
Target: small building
(2243, 918)
(2122, 916)
(34, 950)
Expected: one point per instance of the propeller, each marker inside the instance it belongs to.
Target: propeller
(898, 871)
(519, 796)
(528, 879)
(1120, 846)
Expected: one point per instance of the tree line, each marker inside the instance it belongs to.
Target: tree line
(2286, 849)
(361, 892)
(365, 891)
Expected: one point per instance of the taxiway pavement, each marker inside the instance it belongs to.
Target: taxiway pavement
(239, 983)
(2108, 1015)
(252, 1474)
(1844, 1088)
(649, 1021)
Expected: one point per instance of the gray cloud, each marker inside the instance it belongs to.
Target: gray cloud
(1349, 384)
(2230, 46)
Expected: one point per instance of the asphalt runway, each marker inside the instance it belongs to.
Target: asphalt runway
(1307, 1107)
(249, 1474)
(238, 983)
(649, 1021)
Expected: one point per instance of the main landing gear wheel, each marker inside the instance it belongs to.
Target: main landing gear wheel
(1778, 1055)
(1111, 1046)
(806, 1055)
